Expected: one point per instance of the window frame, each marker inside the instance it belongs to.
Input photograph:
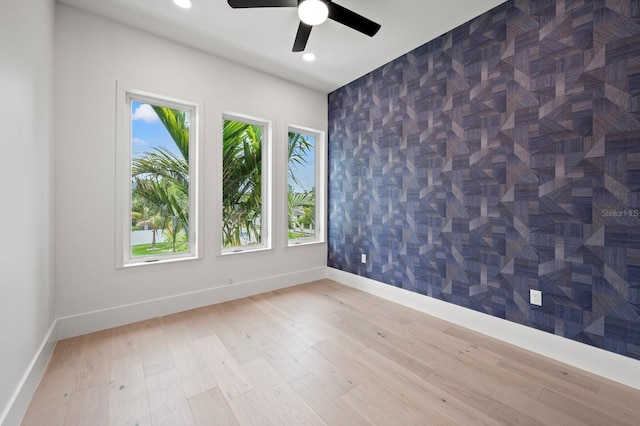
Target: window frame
(124, 157)
(266, 179)
(320, 176)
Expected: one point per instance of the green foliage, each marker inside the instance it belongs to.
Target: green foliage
(298, 146)
(301, 213)
(160, 187)
(241, 183)
(175, 121)
(301, 205)
(160, 248)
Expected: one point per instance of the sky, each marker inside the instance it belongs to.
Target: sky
(148, 132)
(305, 175)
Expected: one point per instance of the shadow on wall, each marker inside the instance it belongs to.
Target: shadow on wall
(501, 157)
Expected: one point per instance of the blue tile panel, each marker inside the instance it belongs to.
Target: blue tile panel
(500, 157)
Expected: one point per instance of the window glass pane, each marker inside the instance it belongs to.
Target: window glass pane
(242, 185)
(159, 180)
(302, 186)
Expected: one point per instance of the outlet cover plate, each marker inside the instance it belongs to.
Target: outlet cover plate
(535, 297)
(363, 258)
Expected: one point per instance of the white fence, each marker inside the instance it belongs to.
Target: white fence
(146, 237)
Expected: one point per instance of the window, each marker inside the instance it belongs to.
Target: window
(305, 185)
(159, 199)
(245, 174)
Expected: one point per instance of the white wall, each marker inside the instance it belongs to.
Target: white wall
(91, 55)
(26, 309)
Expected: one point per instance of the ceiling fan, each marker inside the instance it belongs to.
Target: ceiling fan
(314, 12)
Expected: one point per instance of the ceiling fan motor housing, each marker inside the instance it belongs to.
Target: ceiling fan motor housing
(319, 11)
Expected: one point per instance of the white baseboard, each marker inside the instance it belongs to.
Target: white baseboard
(89, 322)
(19, 402)
(607, 364)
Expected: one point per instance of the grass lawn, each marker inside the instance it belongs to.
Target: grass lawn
(146, 250)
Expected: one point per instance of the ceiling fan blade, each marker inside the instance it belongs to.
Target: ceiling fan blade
(352, 20)
(241, 4)
(302, 37)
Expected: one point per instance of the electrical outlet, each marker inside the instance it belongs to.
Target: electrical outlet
(535, 297)
(363, 258)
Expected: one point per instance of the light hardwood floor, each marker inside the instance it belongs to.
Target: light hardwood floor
(319, 353)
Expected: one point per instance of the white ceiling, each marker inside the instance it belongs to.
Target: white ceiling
(262, 38)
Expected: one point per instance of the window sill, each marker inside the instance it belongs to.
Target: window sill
(304, 243)
(232, 252)
(150, 262)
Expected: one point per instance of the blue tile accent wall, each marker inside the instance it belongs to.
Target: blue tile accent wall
(501, 157)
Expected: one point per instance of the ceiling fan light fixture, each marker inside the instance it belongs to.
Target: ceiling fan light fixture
(185, 4)
(313, 12)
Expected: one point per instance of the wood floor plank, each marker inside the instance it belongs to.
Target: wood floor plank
(579, 411)
(252, 410)
(619, 398)
(504, 406)
(386, 343)
(199, 326)
(191, 367)
(167, 402)
(468, 370)
(292, 301)
(289, 359)
(410, 318)
(455, 347)
(125, 341)
(238, 344)
(549, 375)
(211, 408)
(318, 353)
(50, 402)
(128, 404)
(224, 369)
(343, 361)
(380, 407)
(94, 366)
(324, 401)
(279, 395)
(360, 328)
(331, 377)
(67, 353)
(156, 357)
(89, 406)
(561, 372)
(298, 330)
(420, 392)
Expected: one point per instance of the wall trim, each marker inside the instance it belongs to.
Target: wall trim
(21, 398)
(607, 364)
(88, 322)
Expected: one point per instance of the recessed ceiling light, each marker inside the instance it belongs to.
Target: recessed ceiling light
(185, 4)
(309, 57)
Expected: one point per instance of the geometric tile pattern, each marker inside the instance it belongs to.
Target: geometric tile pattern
(500, 157)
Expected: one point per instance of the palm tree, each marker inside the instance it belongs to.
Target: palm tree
(300, 204)
(172, 207)
(241, 182)
(299, 146)
(161, 177)
(155, 222)
(175, 121)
